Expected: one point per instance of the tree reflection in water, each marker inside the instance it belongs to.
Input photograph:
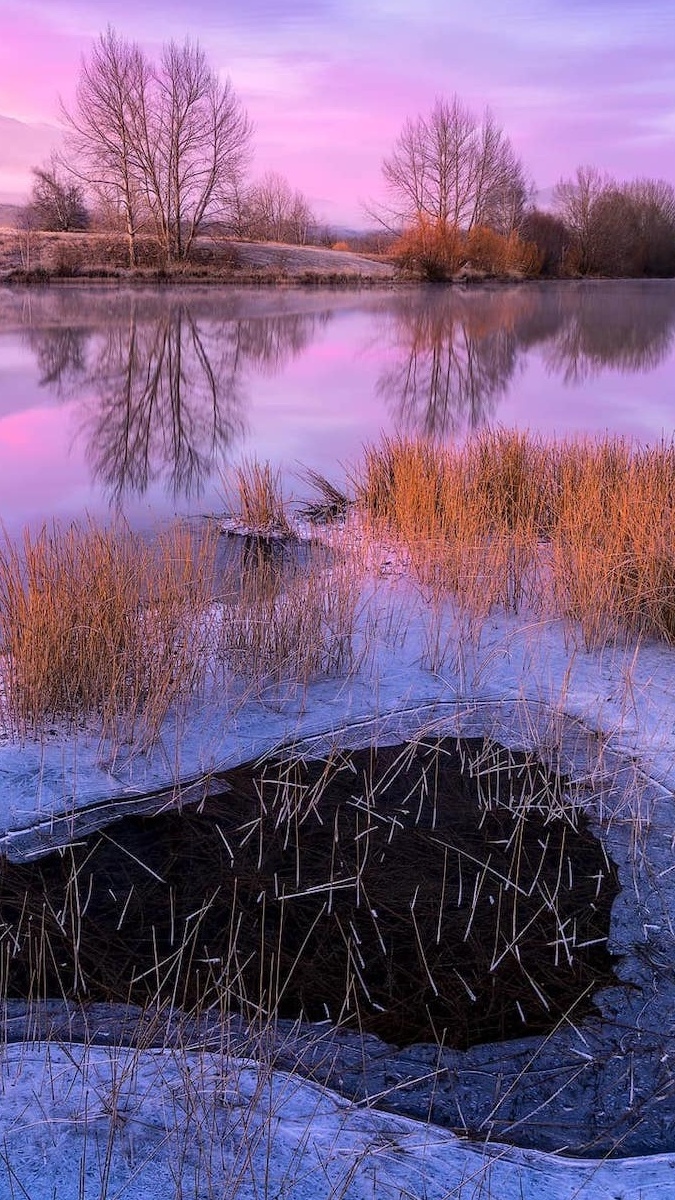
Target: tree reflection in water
(452, 353)
(628, 327)
(161, 388)
(60, 355)
(160, 378)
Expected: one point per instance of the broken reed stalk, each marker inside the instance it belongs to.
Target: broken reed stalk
(332, 503)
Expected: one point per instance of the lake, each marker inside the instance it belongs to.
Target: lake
(138, 399)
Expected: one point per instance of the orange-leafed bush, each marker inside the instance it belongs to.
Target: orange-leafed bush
(490, 251)
(433, 247)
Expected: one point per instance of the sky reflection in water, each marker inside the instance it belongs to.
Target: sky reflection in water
(138, 400)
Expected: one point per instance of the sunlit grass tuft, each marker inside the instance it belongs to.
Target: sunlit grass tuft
(254, 493)
(100, 623)
(578, 529)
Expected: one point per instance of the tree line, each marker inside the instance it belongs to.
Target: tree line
(458, 194)
(161, 150)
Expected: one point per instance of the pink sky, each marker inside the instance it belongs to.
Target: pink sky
(328, 83)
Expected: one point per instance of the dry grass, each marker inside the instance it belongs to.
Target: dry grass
(99, 623)
(290, 624)
(255, 496)
(580, 529)
(39, 256)
(331, 504)
(100, 626)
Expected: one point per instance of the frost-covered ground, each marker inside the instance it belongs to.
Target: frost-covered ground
(85, 1121)
(414, 669)
(91, 1123)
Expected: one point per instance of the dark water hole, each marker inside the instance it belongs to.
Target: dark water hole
(402, 890)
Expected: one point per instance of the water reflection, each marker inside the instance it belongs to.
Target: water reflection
(628, 330)
(453, 354)
(60, 355)
(139, 398)
(161, 390)
(453, 359)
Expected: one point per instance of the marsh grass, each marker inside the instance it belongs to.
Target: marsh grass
(104, 625)
(579, 529)
(255, 495)
(104, 628)
(97, 623)
(288, 616)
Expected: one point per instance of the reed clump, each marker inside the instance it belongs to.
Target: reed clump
(254, 492)
(106, 628)
(581, 529)
(101, 623)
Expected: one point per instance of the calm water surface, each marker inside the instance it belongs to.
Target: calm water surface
(139, 400)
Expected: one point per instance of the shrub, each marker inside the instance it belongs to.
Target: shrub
(496, 254)
(433, 248)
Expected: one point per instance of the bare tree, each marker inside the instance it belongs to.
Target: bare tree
(27, 236)
(102, 138)
(277, 213)
(618, 228)
(574, 201)
(161, 144)
(193, 139)
(654, 206)
(57, 202)
(455, 171)
(550, 235)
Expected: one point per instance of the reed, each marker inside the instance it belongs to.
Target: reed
(104, 626)
(284, 624)
(579, 529)
(255, 495)
(98, 624)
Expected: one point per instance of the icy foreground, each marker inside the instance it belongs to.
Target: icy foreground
(89, 1122)
(83, 1123)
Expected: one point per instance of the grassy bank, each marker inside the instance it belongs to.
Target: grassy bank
(35, 257)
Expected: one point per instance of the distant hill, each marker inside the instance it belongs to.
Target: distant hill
(23, 145)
